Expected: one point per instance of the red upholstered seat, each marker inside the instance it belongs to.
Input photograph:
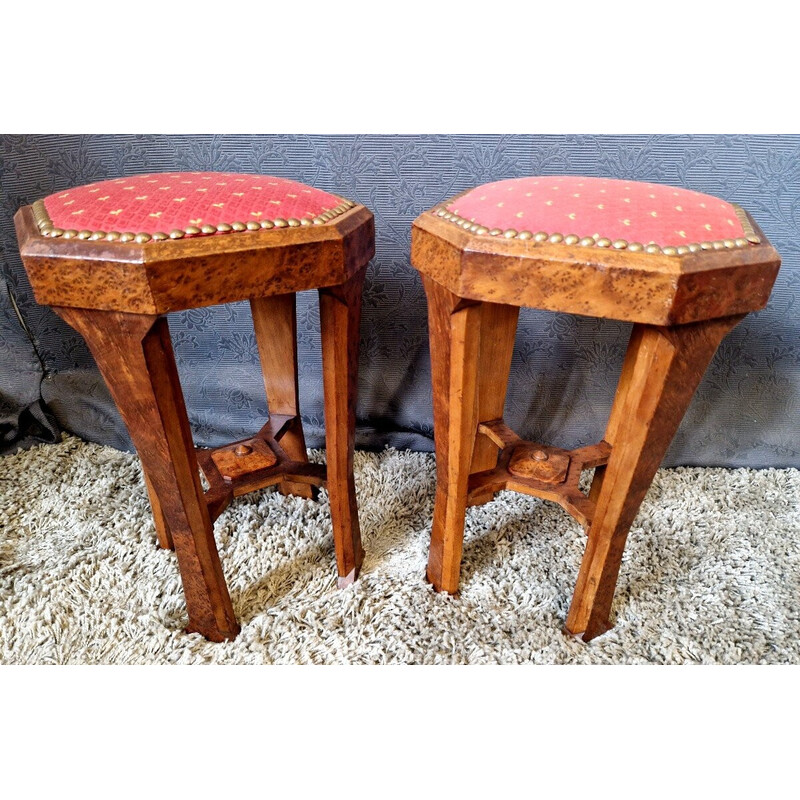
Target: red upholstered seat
(619, 213)
(158, 206)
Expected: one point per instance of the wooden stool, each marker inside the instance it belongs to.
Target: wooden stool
(684, 267)
(111, 258)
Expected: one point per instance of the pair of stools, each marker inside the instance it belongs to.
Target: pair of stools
(112, 258)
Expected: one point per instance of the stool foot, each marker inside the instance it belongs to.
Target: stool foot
(587, 636)
(662, 369)
(344, 582)
(434, 578)
(213, 633)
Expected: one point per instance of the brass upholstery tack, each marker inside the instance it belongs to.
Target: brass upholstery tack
(46, 227)
(540, 237)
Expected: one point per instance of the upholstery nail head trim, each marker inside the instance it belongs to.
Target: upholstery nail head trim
(46, 227)
(540, 237)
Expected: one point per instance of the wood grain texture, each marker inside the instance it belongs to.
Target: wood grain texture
(340, 319)
(134, 354)
(236, 461)
(682, 306)
(275, 324)
(565, 491)
(498, 330)
(162, 528)
(227, 481)
(662, 370)
(619, 408)
(454, 330)
(114, 294)
(159, 277)
(600, 282)
(534, 461)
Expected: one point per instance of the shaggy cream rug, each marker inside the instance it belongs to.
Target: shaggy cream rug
(711, 572)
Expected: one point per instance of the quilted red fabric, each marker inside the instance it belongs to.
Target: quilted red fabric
(613, 209)
(177, 200)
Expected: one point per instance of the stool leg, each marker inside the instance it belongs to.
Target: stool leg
(454, 329)
(662, 369)
(134, 354)
(275, 324)
(615, 420)
(498, 329)
(340, 318)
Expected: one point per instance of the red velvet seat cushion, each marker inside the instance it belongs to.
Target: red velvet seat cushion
(177, 201)
(601, 208)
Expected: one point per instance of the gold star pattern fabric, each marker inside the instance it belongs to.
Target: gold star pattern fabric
(179, 200)
(601, 208)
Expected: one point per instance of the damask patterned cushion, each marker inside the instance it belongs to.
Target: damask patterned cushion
(600, 208)
(158, 206)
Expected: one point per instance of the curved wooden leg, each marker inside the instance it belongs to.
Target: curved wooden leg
(134, 354)
(454, 329)
(340, 318)
(162, 528)
(275, 324)
(498, 329)
(618, 410)
(661, 372)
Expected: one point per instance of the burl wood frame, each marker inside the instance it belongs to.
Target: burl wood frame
(115, 295)
(682, 306)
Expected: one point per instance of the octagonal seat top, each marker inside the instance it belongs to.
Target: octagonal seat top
(627, 250)
(160, 242)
